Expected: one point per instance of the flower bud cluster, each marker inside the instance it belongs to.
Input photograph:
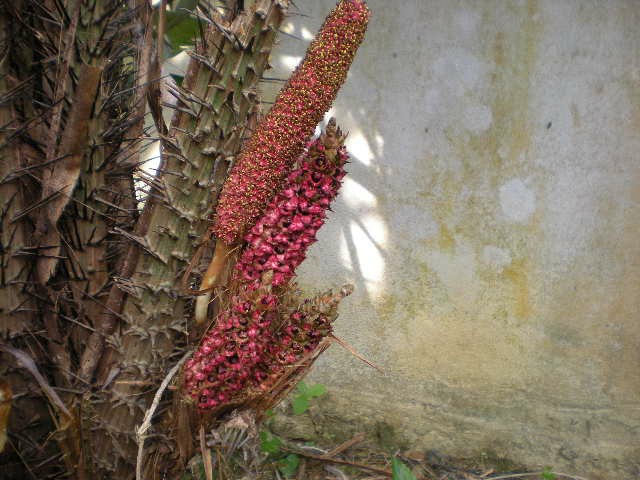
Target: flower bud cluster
(233, 355)
(279, 139)
(278, 242)
(300, 337)
(306, 327)
(249, 344)
(242, 354)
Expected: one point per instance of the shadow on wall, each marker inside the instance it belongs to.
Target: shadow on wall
(356, 231)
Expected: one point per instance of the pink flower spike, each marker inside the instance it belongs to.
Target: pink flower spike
(267, 157)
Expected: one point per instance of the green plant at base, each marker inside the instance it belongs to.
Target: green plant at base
(276, 456)
(304, 394)
(195, 470)
(400, 471)
(287, 464)
(547, 474)
(269, 443)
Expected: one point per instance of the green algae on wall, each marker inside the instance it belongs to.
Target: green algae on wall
(495, 145)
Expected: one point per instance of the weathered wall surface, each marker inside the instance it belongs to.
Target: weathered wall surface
(490, 224)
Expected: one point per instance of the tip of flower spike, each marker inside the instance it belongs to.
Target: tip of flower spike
(358, 8)
(280, 137)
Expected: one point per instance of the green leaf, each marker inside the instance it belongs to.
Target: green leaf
(177, 78)
(269, 443)
(547, 474)
(316, 390)
(178, 12)
(302, 388)
(182, 29)
(400, 471)
(198, 472)
(188, 4)
(289, 464)
(300, 404)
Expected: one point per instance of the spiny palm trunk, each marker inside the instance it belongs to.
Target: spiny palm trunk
(66, 101)
(218, 96)
(93, 293)
(16, 307)
(89, 288)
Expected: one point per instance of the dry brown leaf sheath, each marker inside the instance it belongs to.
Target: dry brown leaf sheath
(59, 180)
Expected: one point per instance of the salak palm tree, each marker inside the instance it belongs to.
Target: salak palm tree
(119, 315)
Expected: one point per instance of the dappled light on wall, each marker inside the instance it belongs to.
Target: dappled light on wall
(289, 61)
(369, 236)
(359, 148)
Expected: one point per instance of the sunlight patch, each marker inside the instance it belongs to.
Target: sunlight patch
(368, 239)
(290, 61)
(359, 148)
(356, 196)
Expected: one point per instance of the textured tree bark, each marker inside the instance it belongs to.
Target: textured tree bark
(60, 147)
(90, 289)
(18, 321)
(15, 306)
(151, 328)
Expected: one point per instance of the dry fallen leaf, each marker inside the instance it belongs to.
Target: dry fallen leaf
(5, 408)
(415, 455)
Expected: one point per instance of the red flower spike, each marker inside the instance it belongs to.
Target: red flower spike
(279, 139)
(289, 231)
(242, 352)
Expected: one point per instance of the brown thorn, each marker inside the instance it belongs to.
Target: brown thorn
(62, 176)
(62, 75)
(161, 28)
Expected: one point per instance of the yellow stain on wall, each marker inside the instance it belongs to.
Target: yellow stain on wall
(452, 304)
(446, 242)
(517, 274)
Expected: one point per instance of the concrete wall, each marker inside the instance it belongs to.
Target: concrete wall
(490, 223)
